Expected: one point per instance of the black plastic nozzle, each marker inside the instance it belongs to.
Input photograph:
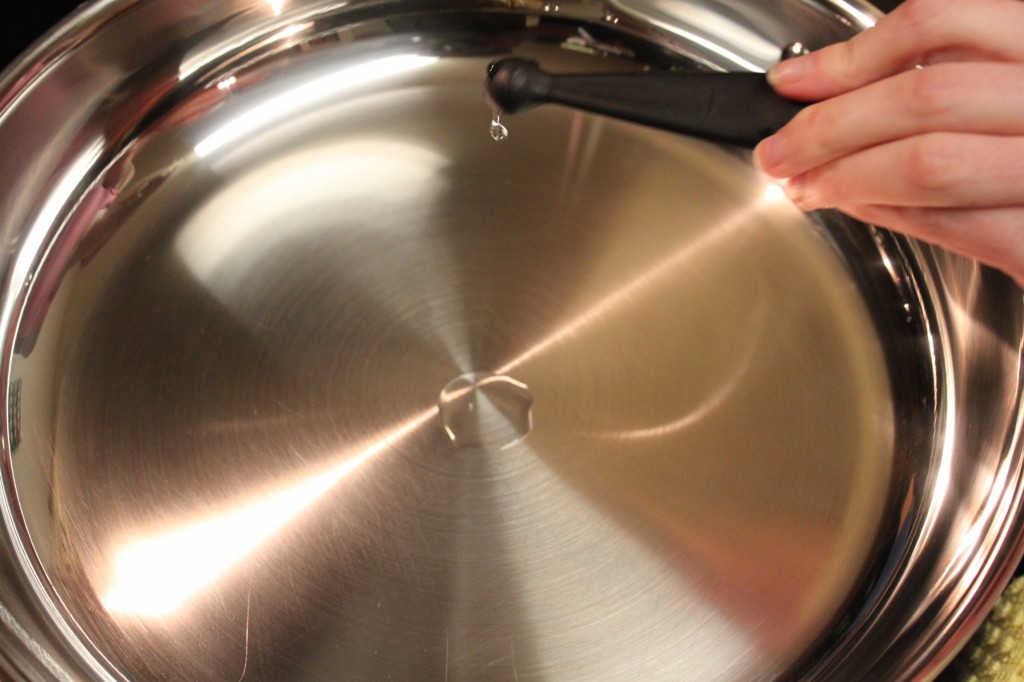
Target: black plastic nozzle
(734, 108)
(515, 84)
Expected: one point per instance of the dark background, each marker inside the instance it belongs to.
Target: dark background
(21, 23)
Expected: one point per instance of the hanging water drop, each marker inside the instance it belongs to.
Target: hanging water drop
(498, 131)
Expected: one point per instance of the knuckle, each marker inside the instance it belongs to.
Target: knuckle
(930, 93)
(923, 15)
(821, 128)
(916, 12)
(930, 165)
(842, 62)
(932, 24)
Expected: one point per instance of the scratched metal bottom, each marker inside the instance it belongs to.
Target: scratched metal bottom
(315, 381)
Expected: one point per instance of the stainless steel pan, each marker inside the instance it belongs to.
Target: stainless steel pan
(309, 379)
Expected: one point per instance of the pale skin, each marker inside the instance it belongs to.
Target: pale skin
(917, 125)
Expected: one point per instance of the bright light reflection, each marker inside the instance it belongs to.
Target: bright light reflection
(58, 200)
(276, 6)
(247, 214)
(711, 30)
(624, 295)
(307, 96)
(774, 192)
(291, 31)
(156, 576)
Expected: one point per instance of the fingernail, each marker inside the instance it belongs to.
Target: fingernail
(768, 155)
(789, 71)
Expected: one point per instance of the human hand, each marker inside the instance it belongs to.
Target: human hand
(918, 126)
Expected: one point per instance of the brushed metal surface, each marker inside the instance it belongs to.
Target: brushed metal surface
(310, 379)
(250, 467)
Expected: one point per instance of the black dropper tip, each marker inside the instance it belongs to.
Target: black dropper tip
(515, 84)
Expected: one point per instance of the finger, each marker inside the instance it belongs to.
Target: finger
(965, 98)
(994, 236)
(917, 32)
(938, 170)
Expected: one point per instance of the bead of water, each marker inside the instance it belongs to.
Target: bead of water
(498, 131)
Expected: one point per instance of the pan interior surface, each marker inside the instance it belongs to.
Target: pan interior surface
(319, 382)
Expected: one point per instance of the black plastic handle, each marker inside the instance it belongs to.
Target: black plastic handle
(734, 108)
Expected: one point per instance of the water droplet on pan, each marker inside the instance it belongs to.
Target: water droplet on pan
(484, 410)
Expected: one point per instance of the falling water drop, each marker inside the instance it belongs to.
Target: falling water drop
(498, 131)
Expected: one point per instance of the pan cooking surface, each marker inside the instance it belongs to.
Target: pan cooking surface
(340, 389)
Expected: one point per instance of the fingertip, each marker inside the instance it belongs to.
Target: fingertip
(768, 156)
(758, 158)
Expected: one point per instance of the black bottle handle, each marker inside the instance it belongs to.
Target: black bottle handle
(734, 108)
